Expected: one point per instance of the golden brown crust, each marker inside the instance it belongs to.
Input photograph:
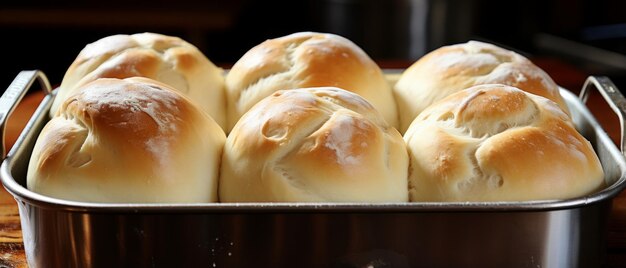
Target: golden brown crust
(167, 59)
(314, 144)
(450, 69)
(498, 143)
(306, 59)
(131, 140)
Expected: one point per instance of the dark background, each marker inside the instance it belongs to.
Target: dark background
(587, 35)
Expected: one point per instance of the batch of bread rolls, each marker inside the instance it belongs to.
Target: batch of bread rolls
(307, 117)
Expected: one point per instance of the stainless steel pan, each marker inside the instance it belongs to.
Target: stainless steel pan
(560, 233)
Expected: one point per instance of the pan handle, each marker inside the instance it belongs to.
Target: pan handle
(613, 97)
(14, 94)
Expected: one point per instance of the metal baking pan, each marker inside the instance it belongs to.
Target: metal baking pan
(563, 233)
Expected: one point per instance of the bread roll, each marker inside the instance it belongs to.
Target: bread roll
(314, 144)
(167, 59)
(306, 59)
(134, 140)
(498, 143)
(453, 68)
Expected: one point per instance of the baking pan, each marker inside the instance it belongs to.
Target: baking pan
(552, 233)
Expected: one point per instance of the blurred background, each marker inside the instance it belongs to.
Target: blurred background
(579, 37)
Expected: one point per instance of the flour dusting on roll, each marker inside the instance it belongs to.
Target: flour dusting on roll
(128, 141)
(450, 69)
(498, 143)
(167, 59)
(314, 145)
(306, 59)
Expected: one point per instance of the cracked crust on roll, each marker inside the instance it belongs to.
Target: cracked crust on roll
(450, 69)
(128, 141)
(167, 59)
(498, 143)
(314, 145)
(306, 59)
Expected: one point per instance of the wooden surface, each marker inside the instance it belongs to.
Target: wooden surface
(12, 249)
